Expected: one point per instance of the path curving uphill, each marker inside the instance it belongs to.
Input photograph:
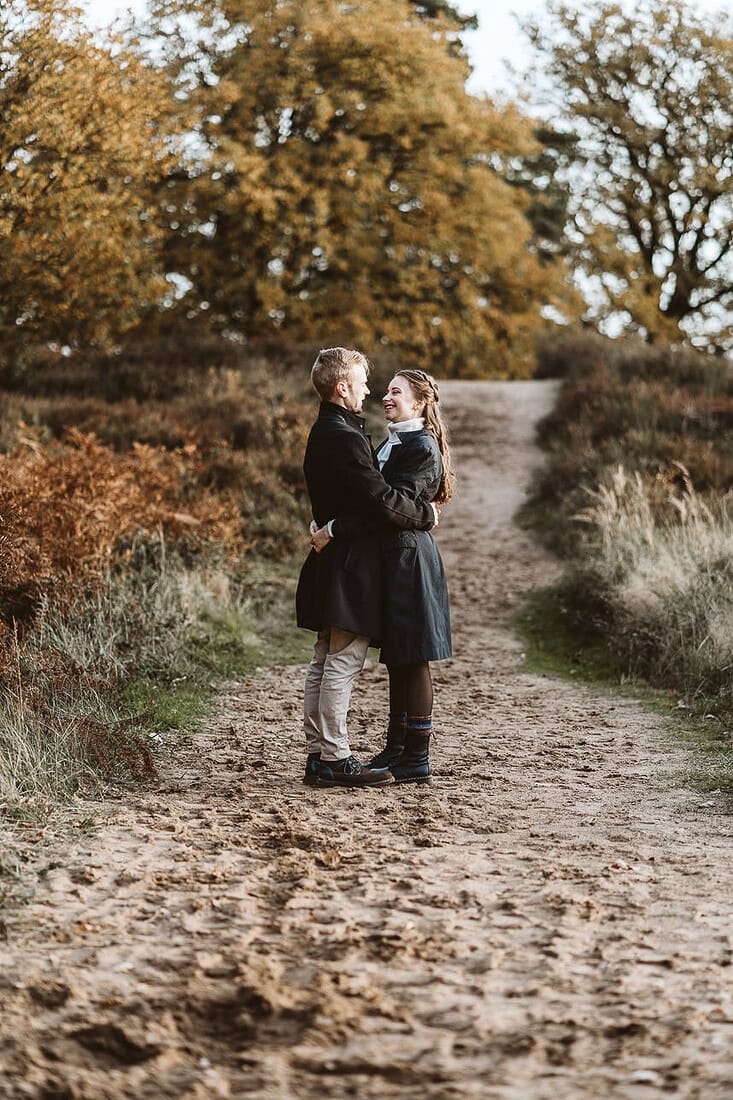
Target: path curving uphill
(550, 920)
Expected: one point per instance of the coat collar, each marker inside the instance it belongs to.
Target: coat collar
(328, 409)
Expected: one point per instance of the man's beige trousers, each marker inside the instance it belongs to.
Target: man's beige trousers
(338, 658)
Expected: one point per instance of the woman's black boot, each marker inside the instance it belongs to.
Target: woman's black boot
(413, 765)
(394, 746)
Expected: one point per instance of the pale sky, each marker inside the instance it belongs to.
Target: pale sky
(498, 38)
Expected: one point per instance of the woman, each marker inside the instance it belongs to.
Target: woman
(415, 458)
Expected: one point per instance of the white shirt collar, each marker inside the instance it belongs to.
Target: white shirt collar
(414, 425)
(393, 439)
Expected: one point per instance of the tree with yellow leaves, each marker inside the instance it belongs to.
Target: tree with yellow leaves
(648, 94)
(80, 147)
(344, 187)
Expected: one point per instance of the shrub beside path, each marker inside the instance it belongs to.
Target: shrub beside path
(551, 919)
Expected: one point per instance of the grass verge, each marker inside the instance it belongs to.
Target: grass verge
(560, 641)
(92, 689)
(234, 639)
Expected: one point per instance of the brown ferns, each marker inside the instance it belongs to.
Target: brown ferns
(68, 511)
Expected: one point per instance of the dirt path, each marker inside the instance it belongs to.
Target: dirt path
(550, 920)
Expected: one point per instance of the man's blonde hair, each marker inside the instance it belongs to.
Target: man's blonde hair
(334, 365)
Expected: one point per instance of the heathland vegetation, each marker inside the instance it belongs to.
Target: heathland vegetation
(133, 525)
(636, 496)
(190, 206)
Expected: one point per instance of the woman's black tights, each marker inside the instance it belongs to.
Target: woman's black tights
(411, 691)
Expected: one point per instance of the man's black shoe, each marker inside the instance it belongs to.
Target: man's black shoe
(311, 769)
(351, 773)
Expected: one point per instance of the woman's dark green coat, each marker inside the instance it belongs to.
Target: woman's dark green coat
(415, 607)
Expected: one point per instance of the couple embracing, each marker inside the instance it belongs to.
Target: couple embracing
(374, 575)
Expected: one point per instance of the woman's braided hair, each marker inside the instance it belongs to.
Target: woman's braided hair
(427, 393)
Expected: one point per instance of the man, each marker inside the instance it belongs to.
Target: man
(339, 590)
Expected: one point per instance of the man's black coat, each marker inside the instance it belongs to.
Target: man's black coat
(342, 586)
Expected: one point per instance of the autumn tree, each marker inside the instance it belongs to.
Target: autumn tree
(649, 93)
(343, 186)
(542, 173)
(80, 146)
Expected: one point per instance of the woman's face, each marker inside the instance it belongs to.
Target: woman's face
(399, 401)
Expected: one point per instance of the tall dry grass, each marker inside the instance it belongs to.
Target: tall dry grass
(625, 403)
(637, 494)
(67, 720)
(660, 558)
(54, 743)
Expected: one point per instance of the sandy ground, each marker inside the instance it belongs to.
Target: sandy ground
(551, 919)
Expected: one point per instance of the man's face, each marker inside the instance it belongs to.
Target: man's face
(356, 389)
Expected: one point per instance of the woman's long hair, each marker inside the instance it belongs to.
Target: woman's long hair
(426, 391)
